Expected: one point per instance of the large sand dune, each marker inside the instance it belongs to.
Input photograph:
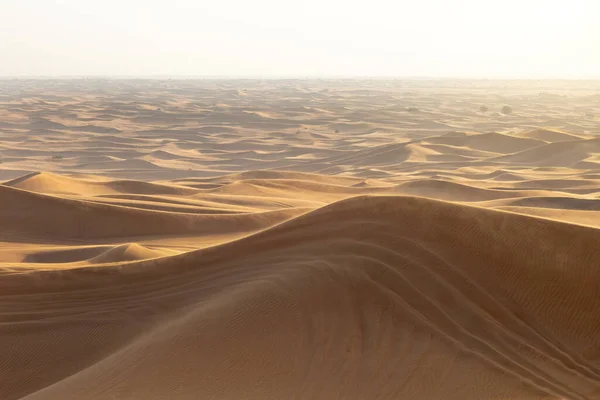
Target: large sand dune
(299, 240)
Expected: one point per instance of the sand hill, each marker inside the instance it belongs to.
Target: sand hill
(281, 240)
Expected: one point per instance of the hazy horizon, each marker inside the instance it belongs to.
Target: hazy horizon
(302, 77)
(330, 39)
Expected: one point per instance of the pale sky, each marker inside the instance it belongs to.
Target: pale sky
(429, 38)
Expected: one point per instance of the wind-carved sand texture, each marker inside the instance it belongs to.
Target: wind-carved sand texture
(299, 240)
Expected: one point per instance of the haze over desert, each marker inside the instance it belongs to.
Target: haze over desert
(299, 239)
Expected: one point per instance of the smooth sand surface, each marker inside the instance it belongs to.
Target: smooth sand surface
(299, 240)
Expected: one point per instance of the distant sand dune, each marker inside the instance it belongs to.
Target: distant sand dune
(549, 135)
(559, 154)
(490, 142)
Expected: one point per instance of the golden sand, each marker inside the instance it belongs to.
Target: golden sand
(299, 240)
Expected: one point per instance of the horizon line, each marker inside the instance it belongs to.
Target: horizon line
(297, 77)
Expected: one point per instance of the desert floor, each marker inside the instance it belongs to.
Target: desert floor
(298, 239)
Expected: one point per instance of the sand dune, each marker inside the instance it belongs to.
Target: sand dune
(393, 276)
(560, 154)
(548, 135)
(490, 142)
(298, 240)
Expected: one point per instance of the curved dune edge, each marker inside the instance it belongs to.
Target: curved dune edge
(396, 282)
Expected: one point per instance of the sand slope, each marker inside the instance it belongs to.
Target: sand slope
(283, 240)
(352, 291)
